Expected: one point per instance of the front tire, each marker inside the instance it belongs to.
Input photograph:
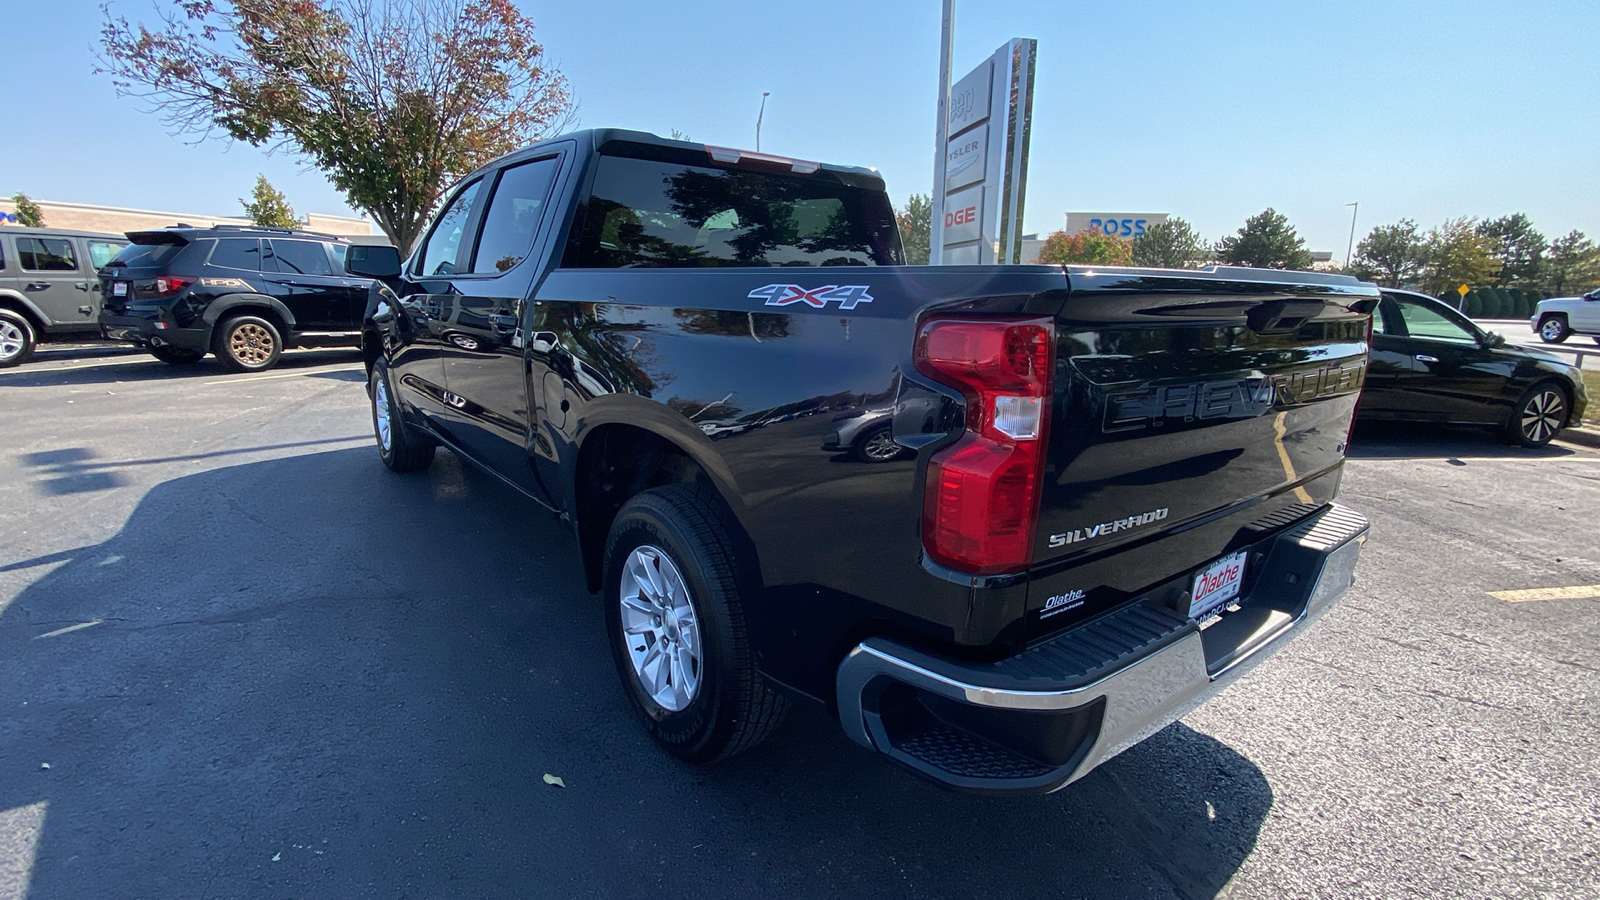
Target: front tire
(400, 447)
(247, 344)
(177, 356)
(1553, 329)
(674, 598)
(1539, 416)
(876, 446)
(17, 339)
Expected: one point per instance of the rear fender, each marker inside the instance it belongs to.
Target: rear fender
(15, 301)
(220, 307)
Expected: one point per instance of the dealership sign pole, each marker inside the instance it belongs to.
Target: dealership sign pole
(982, 169)
(947, 40)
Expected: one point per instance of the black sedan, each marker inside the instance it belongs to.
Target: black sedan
(1432, 364)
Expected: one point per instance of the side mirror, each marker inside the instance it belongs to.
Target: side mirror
(1494, 339)
(372, 261)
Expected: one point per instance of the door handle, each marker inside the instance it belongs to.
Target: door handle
(38, 285)
(82, 285)
(1423, 357)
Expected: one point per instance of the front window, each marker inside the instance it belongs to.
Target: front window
(444, 244)
(1430, 324)
(46, 254)
(660, 214)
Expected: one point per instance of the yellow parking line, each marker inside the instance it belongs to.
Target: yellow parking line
(1577, 592)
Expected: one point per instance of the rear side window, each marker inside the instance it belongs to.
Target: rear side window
(146, 256)
(237, 253)
(648, 213)
(301, 257)
(46, 254)
(102, 252)
(513, 216)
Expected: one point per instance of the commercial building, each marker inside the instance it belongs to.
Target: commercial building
(117, 220)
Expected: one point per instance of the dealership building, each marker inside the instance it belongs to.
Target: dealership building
(118, 220)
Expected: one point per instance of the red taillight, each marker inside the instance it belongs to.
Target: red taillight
(167, 285)
(982, 499)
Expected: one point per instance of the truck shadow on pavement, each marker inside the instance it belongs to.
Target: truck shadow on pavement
(309, 677)
(133, 368)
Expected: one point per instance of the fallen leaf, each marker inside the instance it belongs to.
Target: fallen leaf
(551, 779)
(277, 856)
(47, 765)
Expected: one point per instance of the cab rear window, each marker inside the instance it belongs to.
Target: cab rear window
(648, 213)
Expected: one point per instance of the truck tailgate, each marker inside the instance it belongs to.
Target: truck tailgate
(1193, 413)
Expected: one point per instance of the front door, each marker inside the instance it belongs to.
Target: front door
(1453, 377)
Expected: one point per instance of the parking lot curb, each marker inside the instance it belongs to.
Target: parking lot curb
(1589, 437)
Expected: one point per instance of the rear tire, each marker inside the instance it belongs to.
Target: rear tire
(678, 632)
(247, 343)
(177, 356)
(400, 447)
(1539, 415)
(1553, 329)
(17, 339)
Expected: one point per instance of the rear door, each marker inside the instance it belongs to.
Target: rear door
(314, 291)
(51, 274)
(1389, 367)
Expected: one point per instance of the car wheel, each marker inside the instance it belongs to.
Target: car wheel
(876, 445)
(1553, 329)
(1539, 416)
(400, 447)
(177, 356)
(674, 599)
(17, 339)
(247, 344)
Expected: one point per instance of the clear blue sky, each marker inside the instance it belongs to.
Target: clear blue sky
(1427, 109)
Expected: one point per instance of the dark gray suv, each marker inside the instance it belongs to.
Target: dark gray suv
(48, 286)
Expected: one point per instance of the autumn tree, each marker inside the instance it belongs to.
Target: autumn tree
(916, 228)
(1172, 244)
(1516, 245)
(27, 212)
(1091, 247)
(1572, 264)
(1267, 241)
(1391, 254)
(269, 207)
(393, 99)
(1454, 254)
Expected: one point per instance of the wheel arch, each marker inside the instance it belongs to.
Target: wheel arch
(624, 451)
(22, 306)
(269, 308)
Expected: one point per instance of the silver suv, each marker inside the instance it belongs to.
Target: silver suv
(48, 286)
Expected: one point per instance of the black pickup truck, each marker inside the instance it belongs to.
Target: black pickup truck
(1115, 493)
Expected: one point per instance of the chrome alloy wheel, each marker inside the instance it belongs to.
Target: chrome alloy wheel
(1551, 330)
(251, 344)
(11, 340)
(658, 622)
(880, 446)
(1544, 415)
(380, 414)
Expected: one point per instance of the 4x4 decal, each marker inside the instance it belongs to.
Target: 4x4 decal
(848, 295)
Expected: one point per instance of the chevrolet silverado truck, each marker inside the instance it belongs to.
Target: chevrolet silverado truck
(1116, 492)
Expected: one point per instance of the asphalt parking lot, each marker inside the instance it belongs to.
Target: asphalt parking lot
(240, 659)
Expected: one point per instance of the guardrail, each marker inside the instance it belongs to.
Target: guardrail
(1580, 352)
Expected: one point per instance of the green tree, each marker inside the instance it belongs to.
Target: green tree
(916, 228)
(28, 212)
(1091, 247)
(1454, 254)
(1172, 244)
(1517, 246)
(269, 208)
(1391, 254)
(393, 99)
(1267, 241)
(1572, 265)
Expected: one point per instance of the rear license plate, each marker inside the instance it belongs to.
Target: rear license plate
(1217, 584)
(119, 289)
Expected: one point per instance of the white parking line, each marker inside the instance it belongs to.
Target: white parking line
(280, 375)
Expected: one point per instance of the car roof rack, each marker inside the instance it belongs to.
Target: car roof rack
(277, 230)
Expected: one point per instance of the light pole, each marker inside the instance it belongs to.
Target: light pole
(1350, 248)
(941, 132)
(759, 115)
